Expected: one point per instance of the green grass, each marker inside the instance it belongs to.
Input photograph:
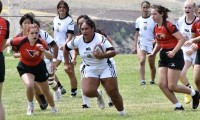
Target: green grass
(140, 102)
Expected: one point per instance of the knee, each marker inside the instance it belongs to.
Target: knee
(142, 62)
(161, 85)
(88, 93)
(113, 93)
(29, 87)
(152, 66)
(172, 87)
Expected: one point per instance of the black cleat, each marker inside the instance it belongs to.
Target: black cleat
(73, 94)
(85, 106)
(44, 106)
(195, 100)
(62, 89)
(179, 108)
(142, 83)
(152, 82)
(110, 104)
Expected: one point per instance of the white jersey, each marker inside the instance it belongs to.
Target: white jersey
(61, 27)
(48, 39)
(145, 26)
(45, 36)
(185, 29)
(86, 49)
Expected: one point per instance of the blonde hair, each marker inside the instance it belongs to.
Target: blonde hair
(32, 26)
(193, 2)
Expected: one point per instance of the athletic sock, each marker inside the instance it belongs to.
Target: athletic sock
(59, 84)
(177, 105)
(192, 92)
(42, 98)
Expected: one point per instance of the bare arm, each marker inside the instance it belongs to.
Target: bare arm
(181, 41)
(194, 39)
(16, 54)
(6, 43)
(69, 37)
(55, 51)
(48, 54)
(156, 49)
(67, 65)
(74, 56)
(135, 41)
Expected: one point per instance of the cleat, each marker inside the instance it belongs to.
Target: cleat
(100, 101)
(110, 104)
(57, 95)
(54, 110)
(122, 113)
(195, 100)
(179, 108)
(30, 109)
(85, 106)
(142, 83)
(63, 91)
(73, 94)
(187, 98)
(44, 106)
(152, 82)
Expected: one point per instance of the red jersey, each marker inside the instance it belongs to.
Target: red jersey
(196, 30)
(29, 55)
(4, 31)
(164, 37)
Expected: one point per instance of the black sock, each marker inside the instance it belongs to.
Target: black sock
(59, 84)
(73, 90)
(42, 98)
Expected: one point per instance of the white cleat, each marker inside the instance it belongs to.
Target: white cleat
(30, 109)
(57, 95)
(54, 110)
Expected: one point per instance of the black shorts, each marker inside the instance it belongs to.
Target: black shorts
(177, 62)
(197, 59)
(40, 71)
(2, 67)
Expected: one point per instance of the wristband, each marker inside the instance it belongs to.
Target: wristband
(54, 59)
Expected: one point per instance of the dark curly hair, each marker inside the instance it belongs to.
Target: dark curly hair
(1, 6)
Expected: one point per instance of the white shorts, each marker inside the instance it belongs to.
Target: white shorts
(61, 56)
(98, 72)
(146, 48)
(190, 58)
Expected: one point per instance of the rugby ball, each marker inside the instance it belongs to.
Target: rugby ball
(100, 48)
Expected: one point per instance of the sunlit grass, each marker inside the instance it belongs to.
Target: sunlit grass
(140, 102)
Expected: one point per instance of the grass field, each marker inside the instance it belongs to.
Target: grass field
(140, 102)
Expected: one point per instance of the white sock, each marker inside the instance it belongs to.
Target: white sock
(100, 93)
(122, 113)
(178, 105)
(58, 90)
(31, 103)
(85, 99)
(192, 92)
